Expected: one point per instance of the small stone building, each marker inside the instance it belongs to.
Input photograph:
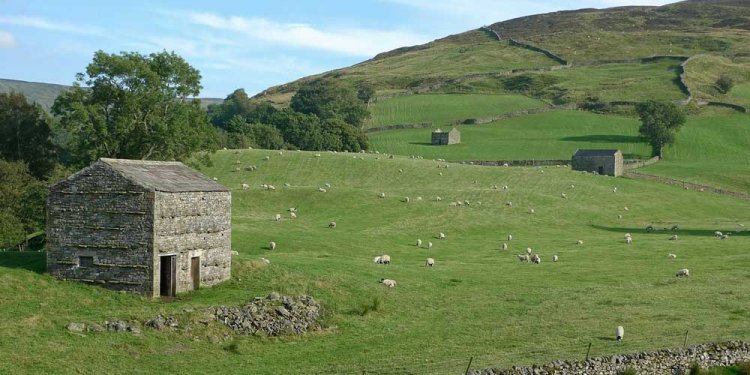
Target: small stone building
(604, 162)
(156, 228)
(440, 137)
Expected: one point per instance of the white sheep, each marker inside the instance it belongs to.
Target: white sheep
(673, 256)
(383, 259)
(579, 242)
(400, 170)
(381, 195)
(572, 186)
(675, 227)
(322, 190)
(510, 237)
(327, 185)
(317, 155)
(528, 250)
(419, 198)
(505, 187)
(683, 273)
(264, 260)
(628, 240)
(504, 246)
(438, 199)
(564, 196)
(523, 257)
(292, 209)
(272, 245)
(429, 245)
(388, 282)
(554, 258)
(626, 208)
(332, 225)
(429, 262)
(235, 253)
(718, 234)
(277, 217)
(536, 259)
(674, 238)
(292, 215)
(452, 204)
(620, 334)
(419, 242)
(614, 190)
(406, 200)
(531, 211)
(619, 216)
(271, 187)
(215, 179)
(509, 204)
(245, 186)
(441, 236)
(724, 236)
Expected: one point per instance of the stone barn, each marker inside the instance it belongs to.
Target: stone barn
(151, 227)
(604, 162)
(440, 137)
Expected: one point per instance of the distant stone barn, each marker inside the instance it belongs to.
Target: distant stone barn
(604, 162)
(440, 137)
(156, 228)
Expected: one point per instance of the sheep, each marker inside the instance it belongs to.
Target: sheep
(649, 228)
(429, 245)
(626, 208)
(438, 199)
(554, 258)
(332, 225)
(536, 259)
(441, 236)
(277, 217)
(317, 155)
(441, 173)
(628, 240)
(292, 209)
(528, 250)
(683, 273)
(675, 227)
(673, 256)
(614, 190)
(322, 190)
(523, 257)
(237, 169)
(510, 237)
(429, 262)
(504, 246)
(619, 216)
(572, 186)
(215, 179)
(267, 158)
(505, 187)
(271, 187)
(620, 334)
(272, 245)
(237, 162)
(452, 204)
(531, 211)
(327, 185)
(466, 202)
(388, 282)
(264, 260)
(579, 242)
(383, 259)
(509, 204)
(235, 253)
(494, 187)
(406, 200)
(381, 195)
(419, 242)
(718, 234)
(564, 196)
(245, 186)
(673, 238)
(724, 236)
(400, 170)
(292, 215)
(377, 259)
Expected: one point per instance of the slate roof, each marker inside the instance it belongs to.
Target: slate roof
(595, 152)
(167, 176)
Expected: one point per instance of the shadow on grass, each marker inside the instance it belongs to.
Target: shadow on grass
(35, 261)
(660, 231)
(605, 138)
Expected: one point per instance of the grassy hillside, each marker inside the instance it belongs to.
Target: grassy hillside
(551, 135)
(442, 110)
(477, 301)
(703, 71)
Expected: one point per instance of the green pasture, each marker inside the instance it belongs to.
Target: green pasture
(442, 110)
(478, 301)
(551, 135)
(711, 150)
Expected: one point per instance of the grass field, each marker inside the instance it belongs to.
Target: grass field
(711, 150)
(551, 135)
(441, 110)
(703, 71)
(477, 301)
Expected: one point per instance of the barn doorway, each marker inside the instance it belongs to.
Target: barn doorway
(195, 272)
(167, 271)
(601, 170)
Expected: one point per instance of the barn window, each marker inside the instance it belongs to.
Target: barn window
(85, 261)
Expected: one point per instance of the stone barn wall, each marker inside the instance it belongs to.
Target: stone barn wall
(108, 218)
(193, 224)
(439, 138)
(612, 164)
(454, 137)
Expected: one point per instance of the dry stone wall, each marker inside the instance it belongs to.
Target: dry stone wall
(665, 361)
(106, 217)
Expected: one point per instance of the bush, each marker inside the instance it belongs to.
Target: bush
(695, 369)
(724, 84)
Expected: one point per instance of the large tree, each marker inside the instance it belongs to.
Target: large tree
(329, 99)
(660, 123)
(135, 107)
(25, 134)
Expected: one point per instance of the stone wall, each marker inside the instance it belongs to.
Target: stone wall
(665, 361)
(97, 213)
(637, 163)
(687, 185)
(421, 125)
(611, 165)
(193, 224)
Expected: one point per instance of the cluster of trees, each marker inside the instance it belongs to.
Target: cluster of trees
(323, 115)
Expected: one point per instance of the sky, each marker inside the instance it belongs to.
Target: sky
(247, 44)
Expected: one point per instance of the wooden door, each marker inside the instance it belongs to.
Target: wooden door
(167, 276)
(195, 272)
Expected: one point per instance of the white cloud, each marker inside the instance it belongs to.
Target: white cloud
(7, 40)
(351, 41)
(41, 23)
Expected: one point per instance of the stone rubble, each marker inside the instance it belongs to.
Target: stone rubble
(273, 316)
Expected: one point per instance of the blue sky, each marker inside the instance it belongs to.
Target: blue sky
(240, 44)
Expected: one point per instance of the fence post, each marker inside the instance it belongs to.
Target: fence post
(588, 351)
(469, 366)
(684, 344)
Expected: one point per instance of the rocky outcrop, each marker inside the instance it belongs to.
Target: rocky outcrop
(273, 316)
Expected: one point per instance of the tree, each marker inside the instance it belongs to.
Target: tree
(136, 107)
(25, 134)
(22, 203)
(330, 99)
(660, 123)
(235, 104)
(724, 83)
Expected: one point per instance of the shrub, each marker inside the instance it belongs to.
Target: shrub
(724, 84)
(695, 369)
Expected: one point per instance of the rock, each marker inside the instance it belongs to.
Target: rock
(93, 327)
(76, 327)
(273, 296)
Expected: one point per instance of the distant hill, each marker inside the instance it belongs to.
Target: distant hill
(575, 45)
(45, 93)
